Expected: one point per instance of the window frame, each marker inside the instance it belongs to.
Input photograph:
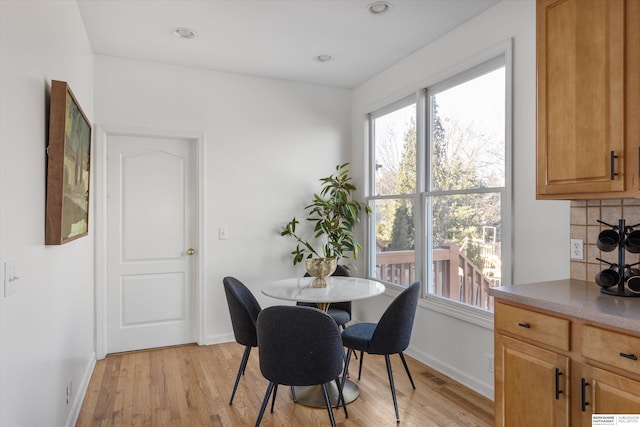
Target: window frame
(484, 63)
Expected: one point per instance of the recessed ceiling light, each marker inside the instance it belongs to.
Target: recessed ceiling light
(184, 33)
(322, 58)
(378, 7)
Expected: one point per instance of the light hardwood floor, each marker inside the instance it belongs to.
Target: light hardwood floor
(191, 385)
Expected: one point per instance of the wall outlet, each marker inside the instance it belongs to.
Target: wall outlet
(577, 249)
(490, 363)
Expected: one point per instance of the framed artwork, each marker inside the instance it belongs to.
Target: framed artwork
(68, 166)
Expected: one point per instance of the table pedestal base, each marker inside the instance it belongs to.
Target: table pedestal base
(312, 395)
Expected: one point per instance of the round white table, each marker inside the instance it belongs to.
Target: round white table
(340, 289)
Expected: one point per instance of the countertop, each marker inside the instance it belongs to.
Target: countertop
(575, 298)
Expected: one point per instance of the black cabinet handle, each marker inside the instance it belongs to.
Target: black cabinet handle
(524, 325)
(558, 391)
(629, 356)
(613, 165)
(584, 395)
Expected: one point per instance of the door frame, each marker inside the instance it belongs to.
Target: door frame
(99, 163)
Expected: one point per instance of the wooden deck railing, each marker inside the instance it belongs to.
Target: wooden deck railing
(455, 277)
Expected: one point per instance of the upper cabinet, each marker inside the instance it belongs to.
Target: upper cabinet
(588, 99)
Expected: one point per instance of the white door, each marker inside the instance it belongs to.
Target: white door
(151, 225)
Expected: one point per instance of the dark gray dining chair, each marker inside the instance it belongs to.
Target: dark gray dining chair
(338, 311)
(244, 310)
(391, 335)
(307, 352)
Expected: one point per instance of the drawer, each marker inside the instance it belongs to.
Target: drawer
(613, 348)
(534, 326)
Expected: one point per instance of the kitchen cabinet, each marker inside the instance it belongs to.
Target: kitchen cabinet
(527, 373)
(555, 370)
(588, 99)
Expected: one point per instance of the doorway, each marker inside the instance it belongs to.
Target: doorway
(148, 228)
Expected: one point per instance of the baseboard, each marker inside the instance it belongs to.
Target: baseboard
(80, 392)
(217, 339)
(452, 372)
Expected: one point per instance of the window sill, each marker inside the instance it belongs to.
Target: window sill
(473, 315)
(467, 313)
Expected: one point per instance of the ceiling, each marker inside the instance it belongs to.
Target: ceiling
(274, 38)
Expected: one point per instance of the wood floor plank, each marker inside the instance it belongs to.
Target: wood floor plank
(191, 386)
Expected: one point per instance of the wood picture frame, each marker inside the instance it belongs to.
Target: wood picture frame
(68, 168)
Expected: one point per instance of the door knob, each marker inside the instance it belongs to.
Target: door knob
(190, 251)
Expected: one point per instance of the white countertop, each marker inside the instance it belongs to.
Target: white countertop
(575, 298)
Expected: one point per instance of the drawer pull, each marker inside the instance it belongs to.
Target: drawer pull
(629, 356)
(584, 395)
(558, 391)
(524, 325)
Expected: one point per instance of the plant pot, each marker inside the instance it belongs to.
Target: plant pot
(320, 268)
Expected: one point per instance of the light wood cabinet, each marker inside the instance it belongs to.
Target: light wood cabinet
(607, 393)
(530, 380)
(588, 98)
(554, 370)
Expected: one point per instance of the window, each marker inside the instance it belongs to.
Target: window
(393, 131)
(444, 219)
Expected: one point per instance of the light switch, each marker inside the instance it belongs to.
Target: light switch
(10, 277)
(222, 233)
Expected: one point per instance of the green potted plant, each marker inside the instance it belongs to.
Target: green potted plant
(334, 213)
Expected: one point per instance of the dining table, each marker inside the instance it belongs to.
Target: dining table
(339, 288)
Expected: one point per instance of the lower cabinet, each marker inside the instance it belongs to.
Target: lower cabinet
(530, 381)
(603, 392)
(548, 376)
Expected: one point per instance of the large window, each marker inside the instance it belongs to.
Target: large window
(439, 187)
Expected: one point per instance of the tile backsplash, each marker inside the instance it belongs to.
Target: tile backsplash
(584, 226)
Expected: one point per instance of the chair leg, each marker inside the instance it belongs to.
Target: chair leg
(360, 369)
(264, 403)
(406, 368)
(329, 408)
(393, 387)
(345, 372)
(243, 365)
(341, 398)
(273, 399)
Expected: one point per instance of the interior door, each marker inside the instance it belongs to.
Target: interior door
(151, 225)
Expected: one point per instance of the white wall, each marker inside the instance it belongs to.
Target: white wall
(267, 144)
(46, 327)
(540, 229)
